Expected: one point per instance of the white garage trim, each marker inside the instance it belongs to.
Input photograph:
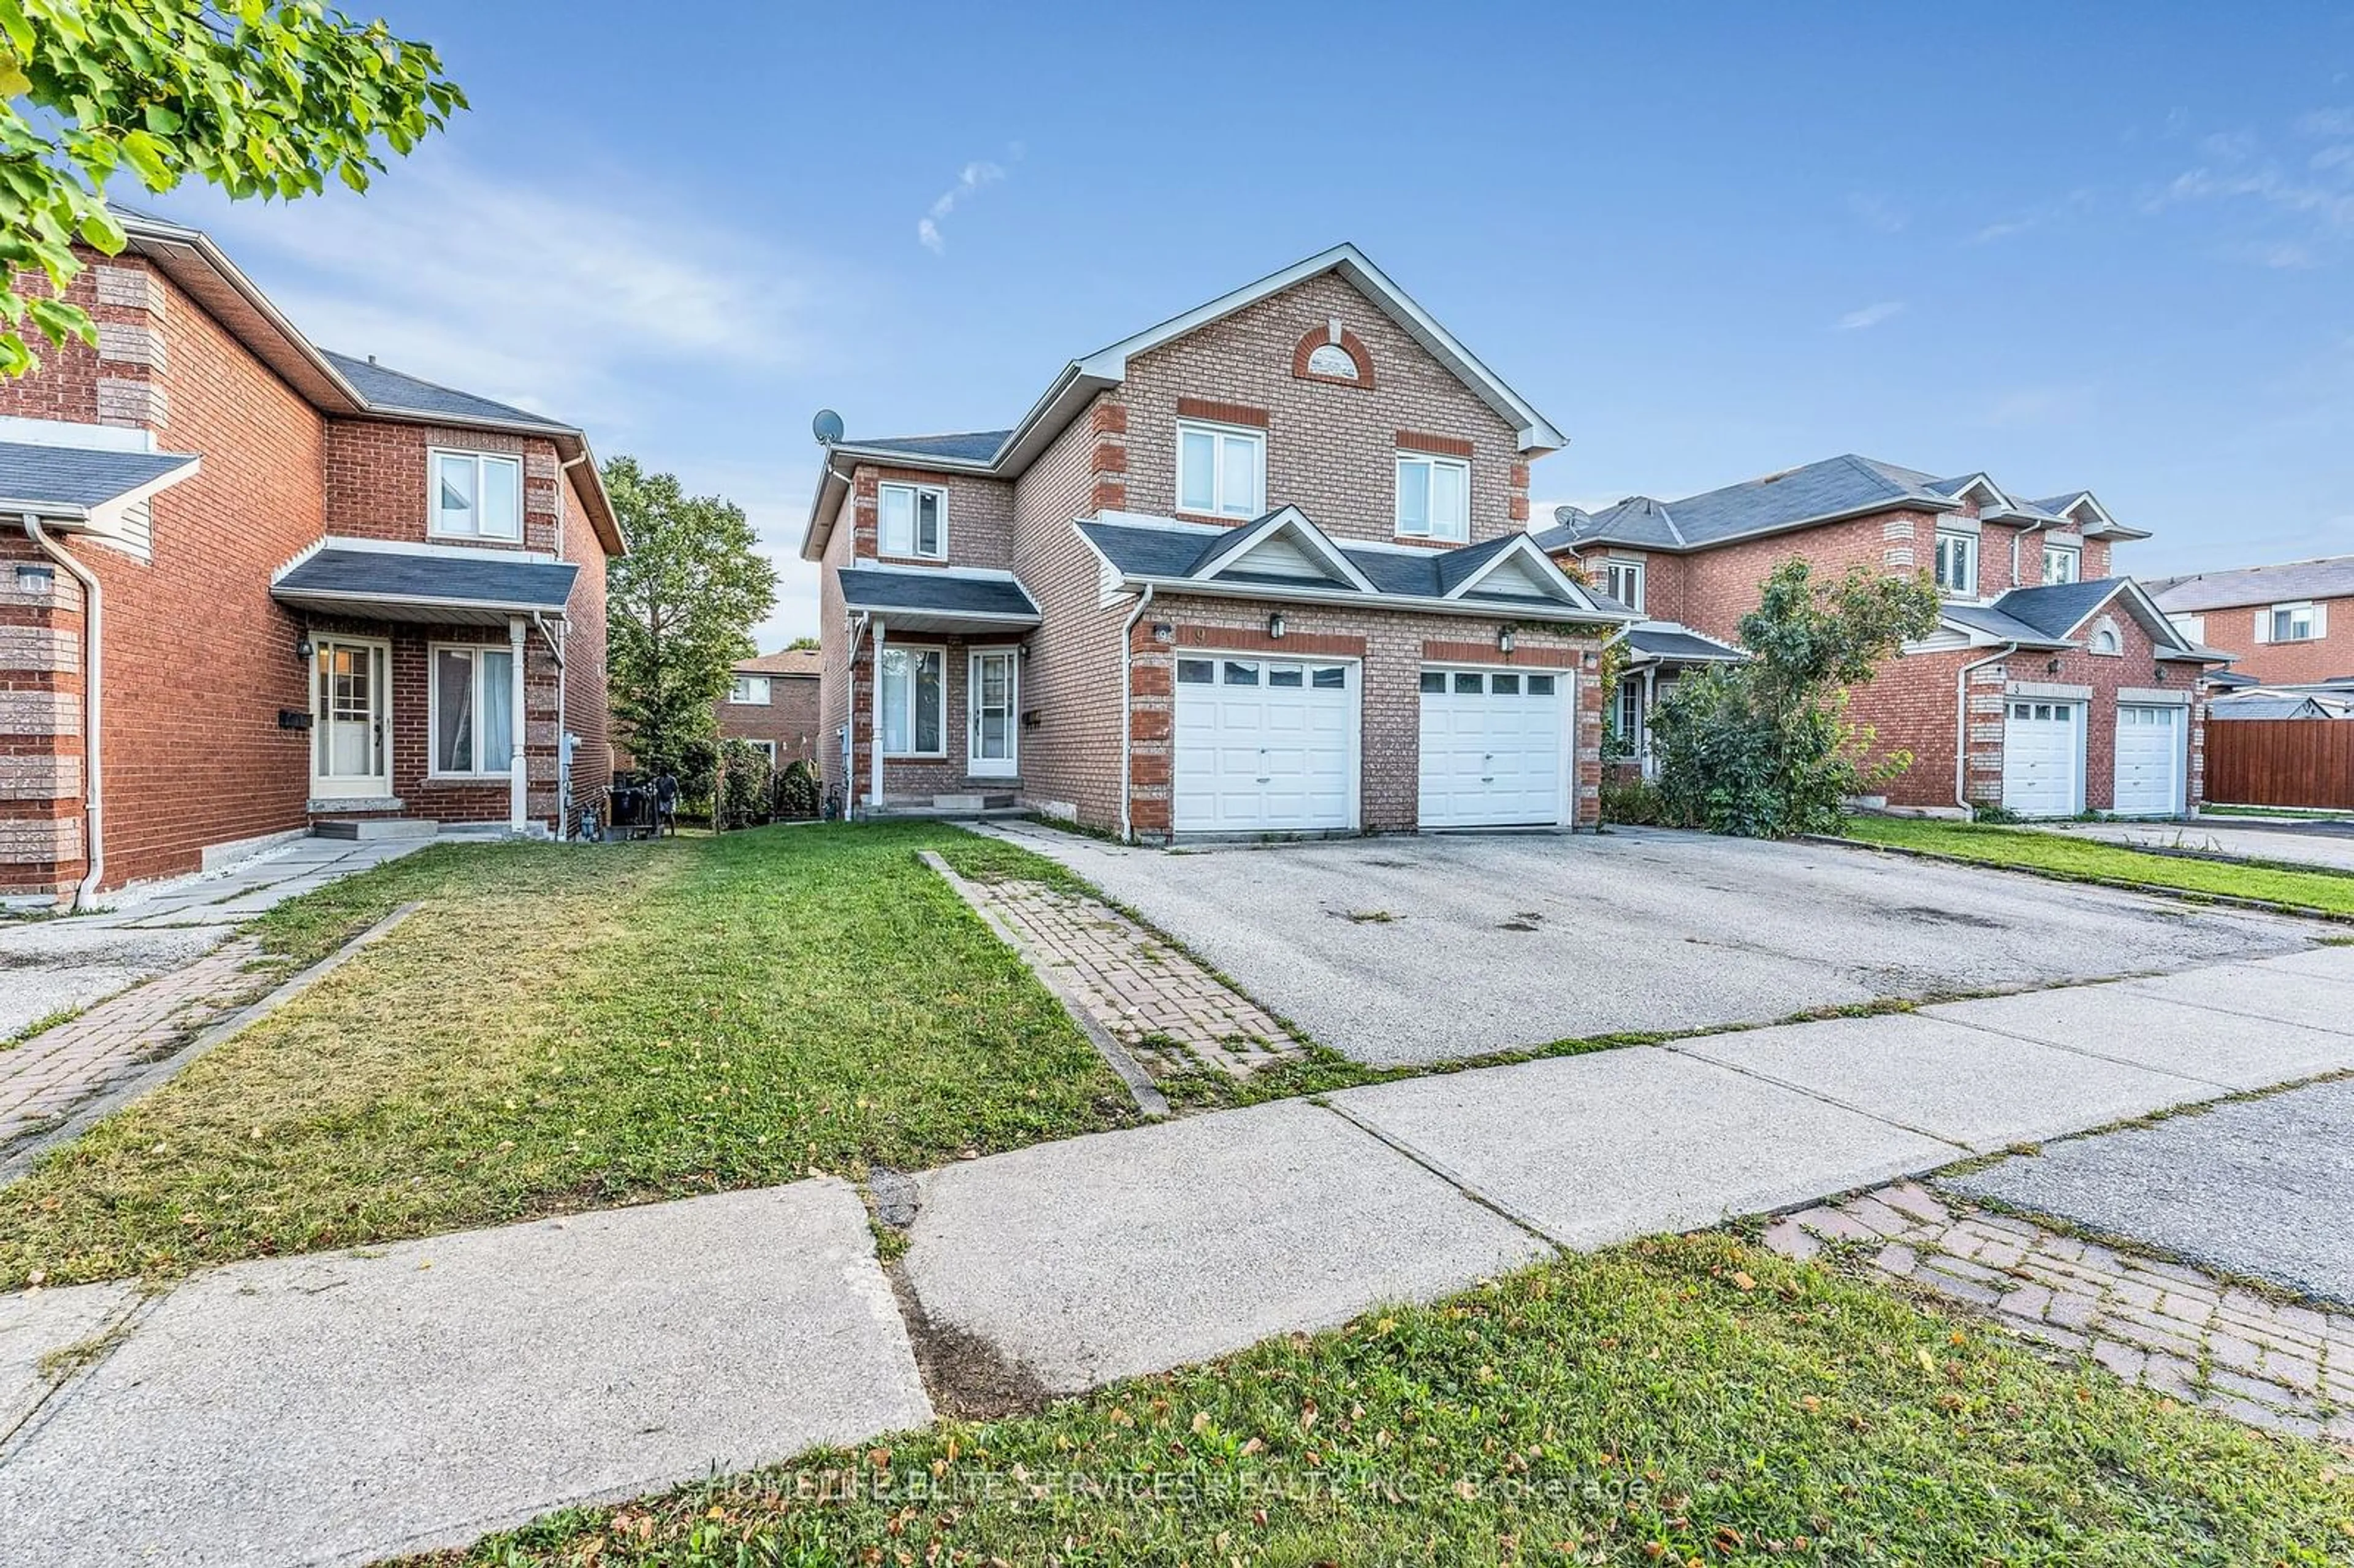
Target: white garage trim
(2043, 757)
(2151, 760)
(1215, 782)
(1519, 809)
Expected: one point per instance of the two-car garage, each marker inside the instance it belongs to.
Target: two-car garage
(1265, 745)
(2044, 760)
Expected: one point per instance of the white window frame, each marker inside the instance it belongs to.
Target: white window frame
(2071, 553)
(741, 687)
(474, 652)
(1968, 545)
(1219, 435)
(767, 748)
(1616, 569)
(484, 463)
(2295, 610)
(1459, 533)
(883, 694)
(915, 494)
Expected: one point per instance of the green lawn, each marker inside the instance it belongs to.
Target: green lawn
(2086, 859)
(562, 1028)
(1684, 1401)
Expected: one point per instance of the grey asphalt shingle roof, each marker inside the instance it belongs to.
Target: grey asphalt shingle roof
(77, 476)
(1149, 552)
(1678, 644)
(2263, 705)
(968, 446)
(391, 391)
(2331, 577)
(2056, 609)
(488, 577)
(1996, 624)
(933, 592)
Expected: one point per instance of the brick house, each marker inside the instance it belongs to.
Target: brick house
(2051, 687)
(2276, 621)
(1262, 568)
(251, 589)
(773, 703)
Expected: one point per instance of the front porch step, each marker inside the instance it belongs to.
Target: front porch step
(959, 803)
(376, 828)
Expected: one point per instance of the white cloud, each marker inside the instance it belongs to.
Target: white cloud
(972, 180)
(2002, 230)
(1869, 316)
(2041, 406)
(514, 291)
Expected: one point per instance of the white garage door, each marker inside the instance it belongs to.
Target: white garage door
(2151, 753)
(1265, 746)
(2043, 759)
(1491, 748)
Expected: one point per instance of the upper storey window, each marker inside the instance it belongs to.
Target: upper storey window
(915, 520)
(1221, 471)
(2062, 563)
(1957, 564)
(749, 690)
(475, 495)
(1433, 497)
(1623, 580)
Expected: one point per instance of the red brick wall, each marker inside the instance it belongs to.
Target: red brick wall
(789, 717)
(2322, 658)
(377, 480)
(586, 702)
(979, 516)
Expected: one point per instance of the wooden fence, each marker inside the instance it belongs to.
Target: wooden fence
(2281, 762)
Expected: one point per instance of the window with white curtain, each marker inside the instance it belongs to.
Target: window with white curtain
(749, 690)
(1958, 564)
(1433, 497)
(2062, 563)
(1221, 471)
(915, 520)
(475, 495)
(915, 702)
(471, 704)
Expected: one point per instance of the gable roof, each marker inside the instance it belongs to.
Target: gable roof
(1826, 490)
(1081, 380)
(335, 384)
(473, 587)
(1203, 558)
(67, 483)
(2330, 576)
(2051, 615)
(784, 662)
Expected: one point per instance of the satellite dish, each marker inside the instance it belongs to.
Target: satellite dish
(826, 427)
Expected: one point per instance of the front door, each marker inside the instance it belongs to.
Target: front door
(993, 679)
(351, 718)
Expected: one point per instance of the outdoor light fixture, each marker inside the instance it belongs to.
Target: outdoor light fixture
(302, 648)
(1275, 626)
(2051, 667)
(1504, 640)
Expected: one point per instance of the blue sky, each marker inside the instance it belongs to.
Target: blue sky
(2075, 247)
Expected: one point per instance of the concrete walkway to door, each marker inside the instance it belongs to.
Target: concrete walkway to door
(339, 1407)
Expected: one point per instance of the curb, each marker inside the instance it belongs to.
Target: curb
(84, 1116)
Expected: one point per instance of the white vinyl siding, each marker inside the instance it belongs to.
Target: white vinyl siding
(915, 692)
(474, 495)
(1433, 497)
(915, 520)
(1221, 471)
(471, 699)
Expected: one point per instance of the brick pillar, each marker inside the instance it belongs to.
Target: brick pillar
(1108, 421)
(1151, 727)
(41, 761)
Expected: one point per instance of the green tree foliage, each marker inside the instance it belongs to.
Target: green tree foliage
(679, 611)
(259, 98)
(1764, 748)
(742, 799)
(798, 643)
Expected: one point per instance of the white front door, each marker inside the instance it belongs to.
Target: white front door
(351, 718)
(2043, 757)
(2153, 757)
(1265, 746)
(1494, 748)
(993, 681)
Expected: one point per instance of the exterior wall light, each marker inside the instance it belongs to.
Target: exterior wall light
(2052, 666)
(1504, 640)
(1275, 626)
(303, 648)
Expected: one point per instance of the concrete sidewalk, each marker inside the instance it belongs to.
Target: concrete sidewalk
(337, 1407)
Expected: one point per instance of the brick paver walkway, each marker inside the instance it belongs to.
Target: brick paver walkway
(2172, 1329)
(1171, 1013)
(49, 1074)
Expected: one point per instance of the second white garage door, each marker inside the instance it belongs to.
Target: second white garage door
(1265, 746)
(1492, 748)
(2152, 759)
(2043, 759)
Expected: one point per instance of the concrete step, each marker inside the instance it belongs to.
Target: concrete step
(376, 828)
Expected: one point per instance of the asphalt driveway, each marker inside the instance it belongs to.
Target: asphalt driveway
(1418, 949)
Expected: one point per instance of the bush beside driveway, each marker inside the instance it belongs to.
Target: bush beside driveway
(562, 1028)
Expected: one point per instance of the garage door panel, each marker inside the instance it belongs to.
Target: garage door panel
(1263, 746)
(1491, 748)
(2043, 757)
(2152, 760)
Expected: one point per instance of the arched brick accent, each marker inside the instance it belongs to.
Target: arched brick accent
(1349, 344)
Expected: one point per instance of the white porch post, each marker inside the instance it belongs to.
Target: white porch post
(1650, 695)
(875, 731)
(519, 764)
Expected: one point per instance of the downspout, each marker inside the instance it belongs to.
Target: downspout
(1962, 724)
(92, 685)
(1127, 697)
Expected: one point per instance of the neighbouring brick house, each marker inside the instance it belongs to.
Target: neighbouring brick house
(1261, 568)
(326, 595)
(2051, 686)
(2289, 625)
(773, 703)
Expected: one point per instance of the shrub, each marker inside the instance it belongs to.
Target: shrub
(1631, 801)
(799, 787)
(1994, 816)
(1763, 748)
(743, 788)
